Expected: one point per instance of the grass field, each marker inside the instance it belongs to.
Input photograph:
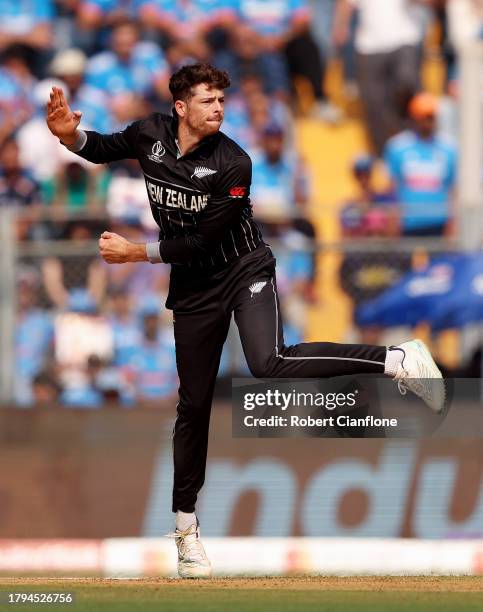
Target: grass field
(421, 594)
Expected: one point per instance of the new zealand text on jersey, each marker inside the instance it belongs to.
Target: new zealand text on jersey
(177, 199)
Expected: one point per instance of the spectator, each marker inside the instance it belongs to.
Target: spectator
(370, 212)
(14, 106)
(46, 390)
(18, 189)
(150, 369)
(278, 180)
(366, 273)
(280, 186)
(28, 23)
(130, 72)
(189, 28)
(34, 335)
(83, 347)
(63, 274)
(124, 325)
(18, 61)
(69, 66)
(388, 43)
(276, 35)
(98, 14)
(43, 155)
(465, 21)
(423, 170)
(95, 385)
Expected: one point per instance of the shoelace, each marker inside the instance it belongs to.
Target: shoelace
(189, 545)
(401, 385)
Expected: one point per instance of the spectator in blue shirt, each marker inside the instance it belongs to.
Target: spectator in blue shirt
(189, 28)
(125, 327)
(132, 70)
(69, 66)
(96, 14)
(18, 188)
(151, 366)
(34, 333)
(28, 23)
(423, 169)
(274, 36)
(15, 107)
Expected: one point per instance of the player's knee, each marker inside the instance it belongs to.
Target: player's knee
(260, 366)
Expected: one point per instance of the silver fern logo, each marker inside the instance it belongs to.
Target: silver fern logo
(202, 171)
(256, 287)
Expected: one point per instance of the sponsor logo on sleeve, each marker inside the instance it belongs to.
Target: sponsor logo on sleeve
(238, 192)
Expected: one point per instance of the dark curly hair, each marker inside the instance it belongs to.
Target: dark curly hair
(187, 77)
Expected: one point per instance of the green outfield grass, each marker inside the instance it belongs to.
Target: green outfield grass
(260, 595)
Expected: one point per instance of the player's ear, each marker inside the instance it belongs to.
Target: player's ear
(180, 108)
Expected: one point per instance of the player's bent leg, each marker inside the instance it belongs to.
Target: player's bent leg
(259, 322)
(260, 326)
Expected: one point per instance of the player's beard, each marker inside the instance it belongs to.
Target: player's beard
(205, 128)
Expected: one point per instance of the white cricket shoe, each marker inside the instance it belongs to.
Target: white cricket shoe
(192, 559)
(418, 373)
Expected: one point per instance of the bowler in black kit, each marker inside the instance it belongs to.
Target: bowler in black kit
(198, 186)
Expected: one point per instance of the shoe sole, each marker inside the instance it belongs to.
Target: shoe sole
(194, 572)
(438, 378)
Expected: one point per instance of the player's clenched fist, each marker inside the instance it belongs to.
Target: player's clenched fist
(116, 249)
(62, 122)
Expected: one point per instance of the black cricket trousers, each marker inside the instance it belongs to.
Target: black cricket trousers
(202, 310)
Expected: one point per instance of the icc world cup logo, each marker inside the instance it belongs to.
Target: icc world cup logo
(157, 152)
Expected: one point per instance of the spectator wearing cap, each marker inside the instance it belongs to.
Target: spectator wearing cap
(131, 72)
(423, 169)
(42, 155)
(371, 211)
(280, 182)
(69, 65)
(34, 334)
(28, 23)
(189, 29)
(388, 42)
(280, 191)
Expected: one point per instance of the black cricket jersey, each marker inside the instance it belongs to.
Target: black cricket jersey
(200, 200)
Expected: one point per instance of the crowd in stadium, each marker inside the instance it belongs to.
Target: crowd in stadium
(113, 59)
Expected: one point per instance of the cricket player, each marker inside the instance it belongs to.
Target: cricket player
(198, 186)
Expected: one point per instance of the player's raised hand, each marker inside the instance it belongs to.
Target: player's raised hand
(62, 122)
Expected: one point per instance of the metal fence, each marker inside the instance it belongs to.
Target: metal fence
(318, 294)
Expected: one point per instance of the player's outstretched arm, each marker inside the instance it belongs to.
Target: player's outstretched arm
(95, 147)
(61, 120)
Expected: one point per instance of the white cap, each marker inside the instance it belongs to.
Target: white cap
(68, 62)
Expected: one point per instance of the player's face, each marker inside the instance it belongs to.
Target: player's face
(205, 109)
